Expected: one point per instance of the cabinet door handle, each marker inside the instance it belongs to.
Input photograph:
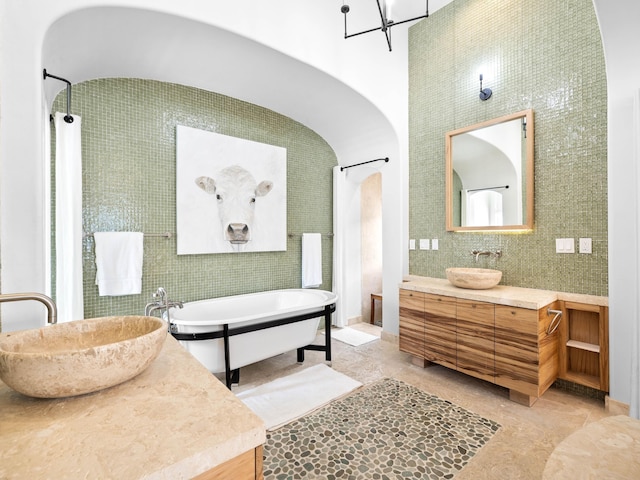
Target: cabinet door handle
(555, 323)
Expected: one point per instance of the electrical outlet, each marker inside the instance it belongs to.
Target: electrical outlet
(424, 244)
(585, 245)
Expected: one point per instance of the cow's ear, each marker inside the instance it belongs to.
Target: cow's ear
(264, 187)
(207, 184)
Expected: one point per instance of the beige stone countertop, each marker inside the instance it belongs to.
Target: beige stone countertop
(173, 421)
(530, 298)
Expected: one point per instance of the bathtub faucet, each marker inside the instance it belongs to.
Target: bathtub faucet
(162, 302)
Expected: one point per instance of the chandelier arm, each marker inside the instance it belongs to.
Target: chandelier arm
(383, 16)
(409, 20)
(387, 34)
(360, 33)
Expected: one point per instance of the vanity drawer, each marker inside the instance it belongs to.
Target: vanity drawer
(473, 312)
(440, 305)
(411, 301)
(522, 320)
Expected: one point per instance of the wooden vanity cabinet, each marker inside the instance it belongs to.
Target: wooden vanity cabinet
(508, 346)
(475, 338)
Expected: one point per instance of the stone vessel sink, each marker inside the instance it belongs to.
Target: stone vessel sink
(78, 357)
(474, 278)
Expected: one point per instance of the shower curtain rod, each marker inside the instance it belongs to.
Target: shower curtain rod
(67, 118)
(386, 159)
(487, 188)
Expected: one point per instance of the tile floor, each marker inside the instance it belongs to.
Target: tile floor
(528, 434)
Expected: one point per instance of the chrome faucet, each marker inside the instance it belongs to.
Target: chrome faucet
(161, 295)
(477, 253)
(162, 303)
(52, 311)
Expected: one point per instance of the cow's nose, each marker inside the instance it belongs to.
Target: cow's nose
(238, 233)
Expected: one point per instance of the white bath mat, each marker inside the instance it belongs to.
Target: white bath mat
(291, 397)
(352, 336)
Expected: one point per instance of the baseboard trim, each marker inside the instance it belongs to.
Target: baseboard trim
(389, 337)
(615, 407)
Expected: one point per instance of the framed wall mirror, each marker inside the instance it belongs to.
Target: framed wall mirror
(489, 175)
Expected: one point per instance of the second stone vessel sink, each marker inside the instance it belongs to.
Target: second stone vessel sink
(474, 278)
(79, 357)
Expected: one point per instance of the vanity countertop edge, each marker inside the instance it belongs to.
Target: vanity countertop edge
(174, 420)
(529, 298)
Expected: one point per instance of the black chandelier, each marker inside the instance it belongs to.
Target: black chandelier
(387, 23)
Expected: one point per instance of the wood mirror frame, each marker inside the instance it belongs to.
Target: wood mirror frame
(527, 183)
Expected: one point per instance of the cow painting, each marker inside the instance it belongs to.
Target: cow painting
(235, 191)
(231, 194)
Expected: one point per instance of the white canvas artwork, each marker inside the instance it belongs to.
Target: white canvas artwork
(231, 194)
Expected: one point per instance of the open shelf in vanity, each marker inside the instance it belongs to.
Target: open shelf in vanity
(583, 349)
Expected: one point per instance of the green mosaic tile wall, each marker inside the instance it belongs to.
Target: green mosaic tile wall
(541, 55)
(129, 169)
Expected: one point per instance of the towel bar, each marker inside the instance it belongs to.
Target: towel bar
(291, 235)
(164, 235)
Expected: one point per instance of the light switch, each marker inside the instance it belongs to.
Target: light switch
(412, 244)
(565, 245)
(585, 245)
(569, 245)
(434, 244)
(559, 245)
(424, 244)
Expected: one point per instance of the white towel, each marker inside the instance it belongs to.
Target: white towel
(118, 262)
(311, 260)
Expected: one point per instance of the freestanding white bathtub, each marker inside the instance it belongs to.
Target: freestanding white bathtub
(227, 333)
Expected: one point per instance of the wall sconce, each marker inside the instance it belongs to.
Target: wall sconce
(485, 93)
(387, 23)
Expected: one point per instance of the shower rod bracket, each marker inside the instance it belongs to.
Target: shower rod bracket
(386, 159)
(67, 118)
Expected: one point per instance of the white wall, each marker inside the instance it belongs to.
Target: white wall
(620, 33)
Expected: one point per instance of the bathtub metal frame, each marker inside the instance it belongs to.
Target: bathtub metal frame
(233, 376)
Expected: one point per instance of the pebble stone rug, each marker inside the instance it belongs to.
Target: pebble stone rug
(385, 431)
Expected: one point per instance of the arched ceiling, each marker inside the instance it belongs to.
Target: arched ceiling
(104, 42)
